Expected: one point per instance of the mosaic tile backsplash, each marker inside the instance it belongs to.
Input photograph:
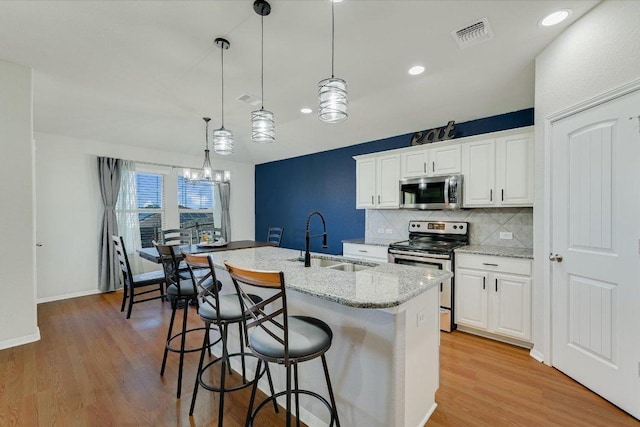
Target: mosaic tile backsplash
(485, 225)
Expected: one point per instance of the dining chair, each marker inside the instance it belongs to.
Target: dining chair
(181, 292)
(152, 281)
(221, 311)
(274, 235)
(177, 236)
(275, 337)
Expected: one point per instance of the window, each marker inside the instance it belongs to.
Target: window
(150, 198)
(197, 206)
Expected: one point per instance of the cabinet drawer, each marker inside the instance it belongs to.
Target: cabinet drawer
(367, 252)
(494, 263)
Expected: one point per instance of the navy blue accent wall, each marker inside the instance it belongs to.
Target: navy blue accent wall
(288, 190)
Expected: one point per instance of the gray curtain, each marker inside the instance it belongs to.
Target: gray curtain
(109, 177)
(225, 217)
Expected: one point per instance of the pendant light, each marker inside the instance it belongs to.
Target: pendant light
(222, 138)
(332, 92)
(206, 173)
(263, 129)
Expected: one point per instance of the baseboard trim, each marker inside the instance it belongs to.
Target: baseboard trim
(538, 355)
(428, 415)
(495, 337)
(14, 342)
(67, 296)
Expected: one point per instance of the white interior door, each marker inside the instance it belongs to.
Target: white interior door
(595, 185)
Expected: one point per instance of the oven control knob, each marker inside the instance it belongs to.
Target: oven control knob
(455, 226)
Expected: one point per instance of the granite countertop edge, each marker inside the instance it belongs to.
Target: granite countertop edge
(524, 253)
(382, 286)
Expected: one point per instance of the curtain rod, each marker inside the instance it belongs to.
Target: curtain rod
(170, 166)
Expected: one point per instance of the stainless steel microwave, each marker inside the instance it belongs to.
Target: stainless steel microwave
(431, 193)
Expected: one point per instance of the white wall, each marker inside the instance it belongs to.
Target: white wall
(18, 319)
(69, 208)
(598, 53)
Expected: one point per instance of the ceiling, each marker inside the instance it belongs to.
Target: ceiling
(144, 73)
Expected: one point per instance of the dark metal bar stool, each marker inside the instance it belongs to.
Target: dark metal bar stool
(221, 310)
(276, 337)
(180, 292)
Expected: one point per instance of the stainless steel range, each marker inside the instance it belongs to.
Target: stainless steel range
(431, 245)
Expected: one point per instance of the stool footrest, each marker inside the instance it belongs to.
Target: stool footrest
(293, 392)
(189, 350)
(245, 382)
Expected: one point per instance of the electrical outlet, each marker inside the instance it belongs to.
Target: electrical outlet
(389, 230)
(380, 230)
(420, 318)
(506, 235)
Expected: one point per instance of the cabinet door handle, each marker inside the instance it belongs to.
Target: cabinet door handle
(502, 195)
(424, 167)
(372, 199)
(362, 250)
(484, 283)
(496, 285)
(491, 195)
(492, 265)
(378, 199)
(433, 166)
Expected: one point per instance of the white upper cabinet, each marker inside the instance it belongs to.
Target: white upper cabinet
(431, 161)
(377, 181)
(498, 172)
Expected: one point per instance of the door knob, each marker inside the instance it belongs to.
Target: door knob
(556, 257)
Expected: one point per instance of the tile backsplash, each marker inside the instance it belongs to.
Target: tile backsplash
(485, 225)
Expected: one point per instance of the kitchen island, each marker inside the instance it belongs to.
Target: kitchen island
(384, 359)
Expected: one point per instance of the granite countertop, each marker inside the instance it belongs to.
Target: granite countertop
(497, 251)
(375, 242)
(379, 286)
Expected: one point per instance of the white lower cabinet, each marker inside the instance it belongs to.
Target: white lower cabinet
(373, 253)
(493, 294)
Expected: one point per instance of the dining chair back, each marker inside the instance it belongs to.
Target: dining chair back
(145, 283)
(274, 235)
(177, 236)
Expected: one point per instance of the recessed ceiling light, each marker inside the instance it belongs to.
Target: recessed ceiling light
(555, 17)
(415, 70)
(337, 1)
(306, 110)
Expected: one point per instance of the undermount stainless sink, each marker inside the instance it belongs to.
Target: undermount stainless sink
(337, 264)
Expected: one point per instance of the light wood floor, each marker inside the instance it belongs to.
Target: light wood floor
(94, 368)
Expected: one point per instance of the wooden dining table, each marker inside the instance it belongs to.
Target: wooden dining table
(151, 254)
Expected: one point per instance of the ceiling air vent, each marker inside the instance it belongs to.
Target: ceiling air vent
(250, 99)
(474, 33)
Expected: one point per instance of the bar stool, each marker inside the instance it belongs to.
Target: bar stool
(274, 336)
(180, 292)
(221, 310)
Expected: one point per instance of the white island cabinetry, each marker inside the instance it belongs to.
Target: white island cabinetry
(493, 295)
(384, 357)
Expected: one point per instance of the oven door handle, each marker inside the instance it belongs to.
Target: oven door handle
(414, 257)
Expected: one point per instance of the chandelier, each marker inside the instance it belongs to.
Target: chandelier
(206, 173)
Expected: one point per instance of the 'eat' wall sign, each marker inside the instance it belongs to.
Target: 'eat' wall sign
(434, 135)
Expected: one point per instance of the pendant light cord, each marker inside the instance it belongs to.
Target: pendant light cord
(262, 60)
(332, 36)
(222, 60)
(206, 133)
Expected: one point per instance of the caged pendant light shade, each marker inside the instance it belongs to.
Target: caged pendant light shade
(332, 92)
(263, 128)
(222, 138)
